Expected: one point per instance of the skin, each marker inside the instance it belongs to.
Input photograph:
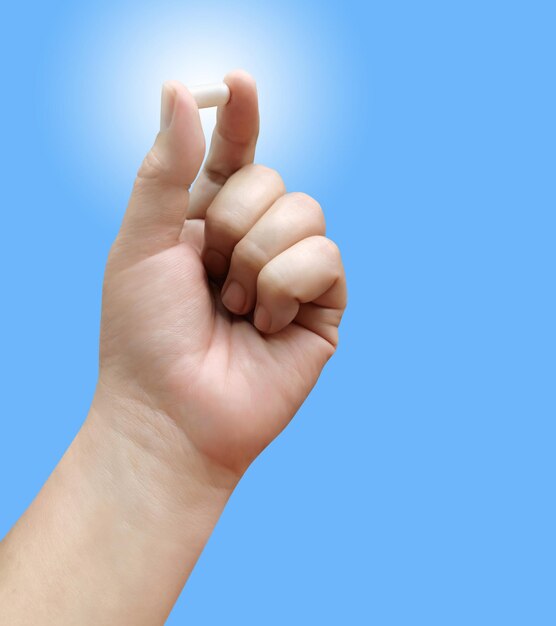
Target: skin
(221, 306)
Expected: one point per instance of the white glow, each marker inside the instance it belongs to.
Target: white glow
(107, 107)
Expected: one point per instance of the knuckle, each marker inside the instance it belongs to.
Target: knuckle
(304, 199)
(309, 206)
(270, 176)
(152, 167)
(221, 224)
(214, 175)
(330, 249)
(330, 254)
(271, 281)
(248, 253)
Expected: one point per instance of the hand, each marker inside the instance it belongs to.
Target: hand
(220, 307)
(219, 312)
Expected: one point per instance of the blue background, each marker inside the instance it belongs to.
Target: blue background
(416, 484)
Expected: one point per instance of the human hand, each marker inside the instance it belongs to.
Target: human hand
(196, 376)
(220, 306)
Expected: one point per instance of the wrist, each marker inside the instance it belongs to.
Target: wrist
(127, 511)
(150, 452)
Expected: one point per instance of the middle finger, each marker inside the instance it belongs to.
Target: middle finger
(243, 199)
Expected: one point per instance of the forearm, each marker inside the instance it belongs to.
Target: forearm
(115, 532)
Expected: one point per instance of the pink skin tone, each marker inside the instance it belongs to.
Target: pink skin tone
(221, 306)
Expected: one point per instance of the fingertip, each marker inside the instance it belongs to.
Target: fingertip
(240, 79)
(262, 319)
(238, 120)
(182, 133)
(172, 92)
(234, 296)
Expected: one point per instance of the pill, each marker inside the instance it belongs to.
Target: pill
(210, 95)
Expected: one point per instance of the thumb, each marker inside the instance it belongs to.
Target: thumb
(156, 212)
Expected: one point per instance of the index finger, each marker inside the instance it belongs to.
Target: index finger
(233, 141)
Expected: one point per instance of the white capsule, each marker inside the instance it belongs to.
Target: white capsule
(210, 95)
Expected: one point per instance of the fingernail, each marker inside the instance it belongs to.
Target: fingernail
(167, 103)
(262, 319)
(215, 263)
(234, 297)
